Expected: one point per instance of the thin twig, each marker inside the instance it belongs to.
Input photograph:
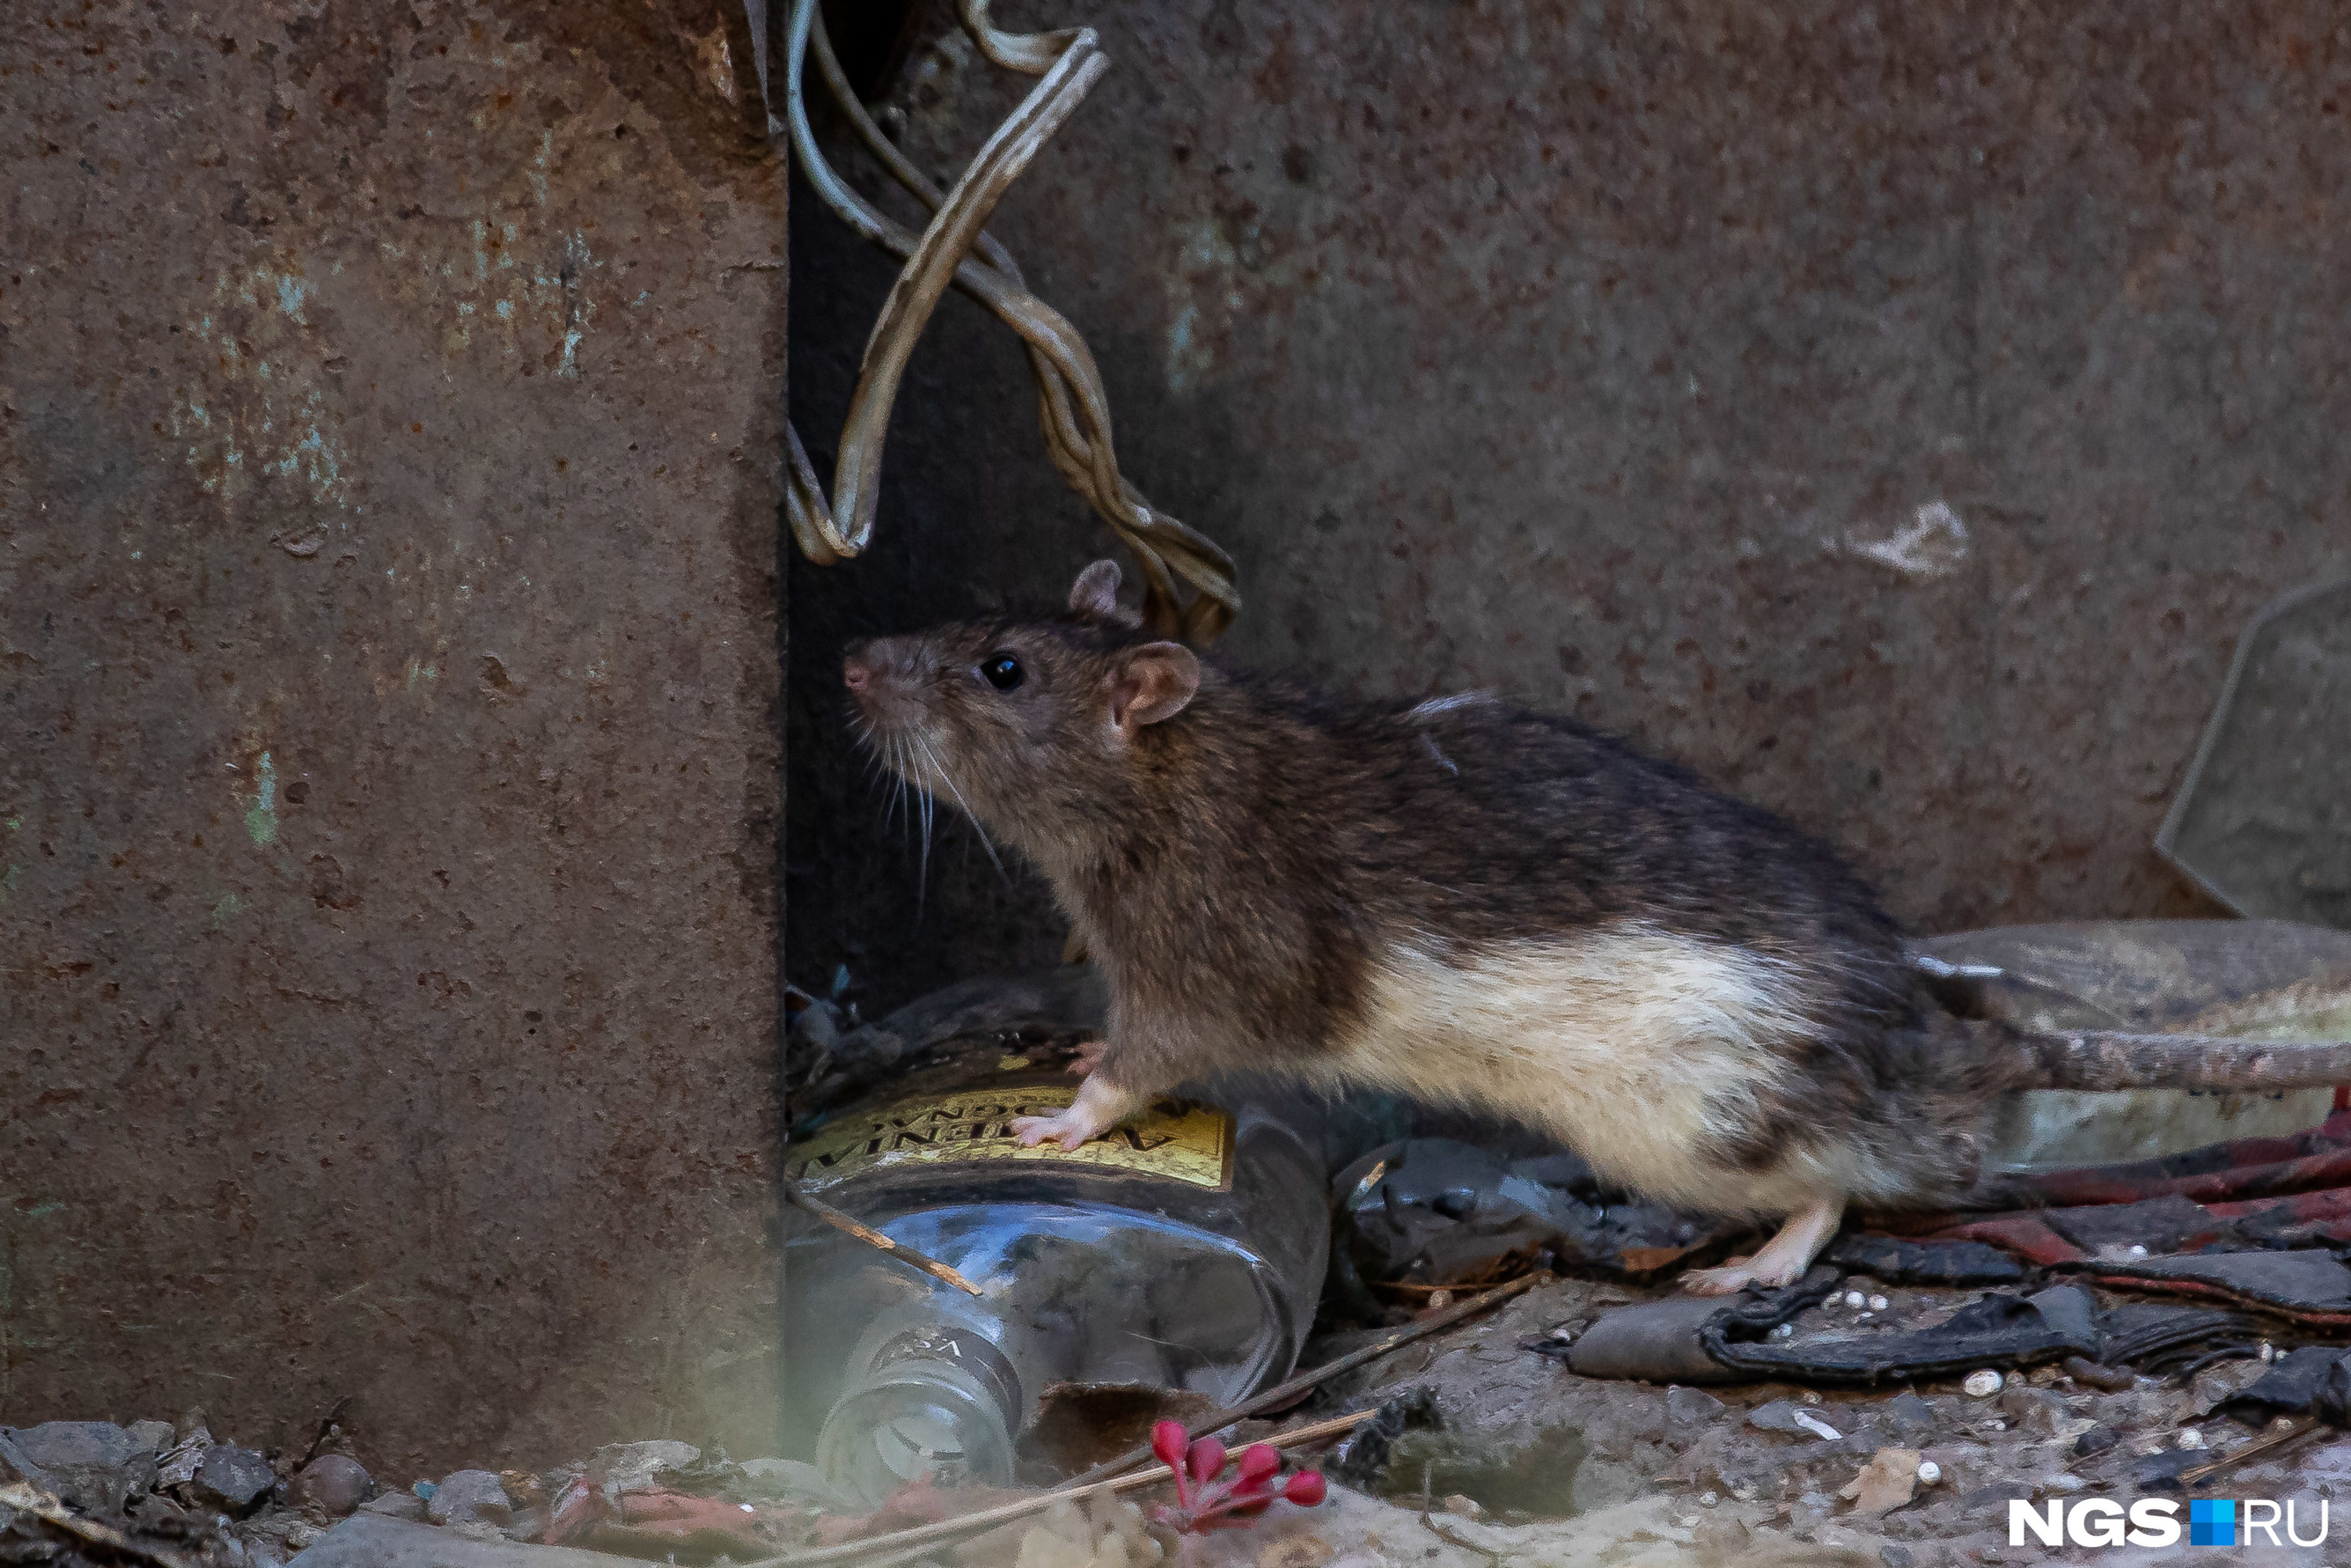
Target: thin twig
(926, 1535)
(2259, 1447)
(799, 1199)
(25, 1498)
(326, 1430)
(1282, 1393)
(1427, 1470)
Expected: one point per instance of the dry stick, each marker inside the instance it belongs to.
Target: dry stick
(873, 1238)
(923, 1535)
(27, 1498)
(2259, 1447)
(1299, 1384)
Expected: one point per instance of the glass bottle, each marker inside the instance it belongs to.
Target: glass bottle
(1183, 1251)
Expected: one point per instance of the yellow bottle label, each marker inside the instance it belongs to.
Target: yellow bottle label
(1191, 1144)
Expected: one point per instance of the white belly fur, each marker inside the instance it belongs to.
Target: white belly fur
(1637, 1048)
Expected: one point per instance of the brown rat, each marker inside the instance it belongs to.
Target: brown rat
(1466, 901)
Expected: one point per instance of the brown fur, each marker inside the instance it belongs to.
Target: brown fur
(1240, 863)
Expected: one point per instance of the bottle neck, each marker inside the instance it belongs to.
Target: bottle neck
(937, 1400)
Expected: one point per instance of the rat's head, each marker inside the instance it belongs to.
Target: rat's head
(1022, 721)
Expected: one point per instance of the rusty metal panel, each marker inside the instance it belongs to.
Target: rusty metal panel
(1894, 411)
(389, 670)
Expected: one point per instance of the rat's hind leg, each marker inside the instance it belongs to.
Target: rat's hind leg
(1784, 1258)
(1095, 1110)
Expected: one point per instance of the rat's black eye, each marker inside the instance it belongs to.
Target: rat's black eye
(1002, 670)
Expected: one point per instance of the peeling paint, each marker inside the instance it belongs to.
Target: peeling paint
(226, 905)
(261, 821)
(1933, 543)
(9, 880)
(263, 410)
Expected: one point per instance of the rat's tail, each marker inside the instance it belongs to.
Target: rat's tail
(2110, 1059)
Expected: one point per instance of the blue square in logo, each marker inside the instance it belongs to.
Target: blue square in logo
(2213, 1522)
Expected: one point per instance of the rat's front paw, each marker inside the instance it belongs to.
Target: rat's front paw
(1089, 1057)
(1068, 1128)
(1728, 1280)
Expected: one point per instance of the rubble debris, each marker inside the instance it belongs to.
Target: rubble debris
(376, 1541)
(92, 1464)
(231, 1481)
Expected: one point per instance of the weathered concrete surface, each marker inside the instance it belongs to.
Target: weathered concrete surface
(388, 679)
(1895, 413)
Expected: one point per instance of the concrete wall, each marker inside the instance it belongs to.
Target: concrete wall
(389, 666)
(1894, 412)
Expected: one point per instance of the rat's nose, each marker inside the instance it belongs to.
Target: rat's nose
(854, 675)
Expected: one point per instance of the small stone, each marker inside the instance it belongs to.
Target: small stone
(1463, 1507)
(405, 1505)
(2096, 1441)
(2190, 1438)
(1929, 1473)
(1692, 1406)
(334, 1484)
(1995, 1426)
(1878, 1304)
(93, 1464)
(232, 1481)
(153, 1436)
(2063, 1482)
(1709, 1499)
(1785, 1331)
(2137, 1251)
(1981, 1385)
(177, 1465)
(1439, 1300)
(1912, 1418)
(470, 1497)
(1855, 1298)
(1811, 1396)
(2268, 1351)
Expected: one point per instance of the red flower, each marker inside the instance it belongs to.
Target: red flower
(1207, 1500)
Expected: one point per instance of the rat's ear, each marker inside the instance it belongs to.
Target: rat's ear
(1096, 592)
(1152, 683)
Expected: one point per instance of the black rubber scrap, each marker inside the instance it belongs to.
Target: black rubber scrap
(1666, 1341)
(1998, 1331)
(2312, 1381)
(1900, 1263)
